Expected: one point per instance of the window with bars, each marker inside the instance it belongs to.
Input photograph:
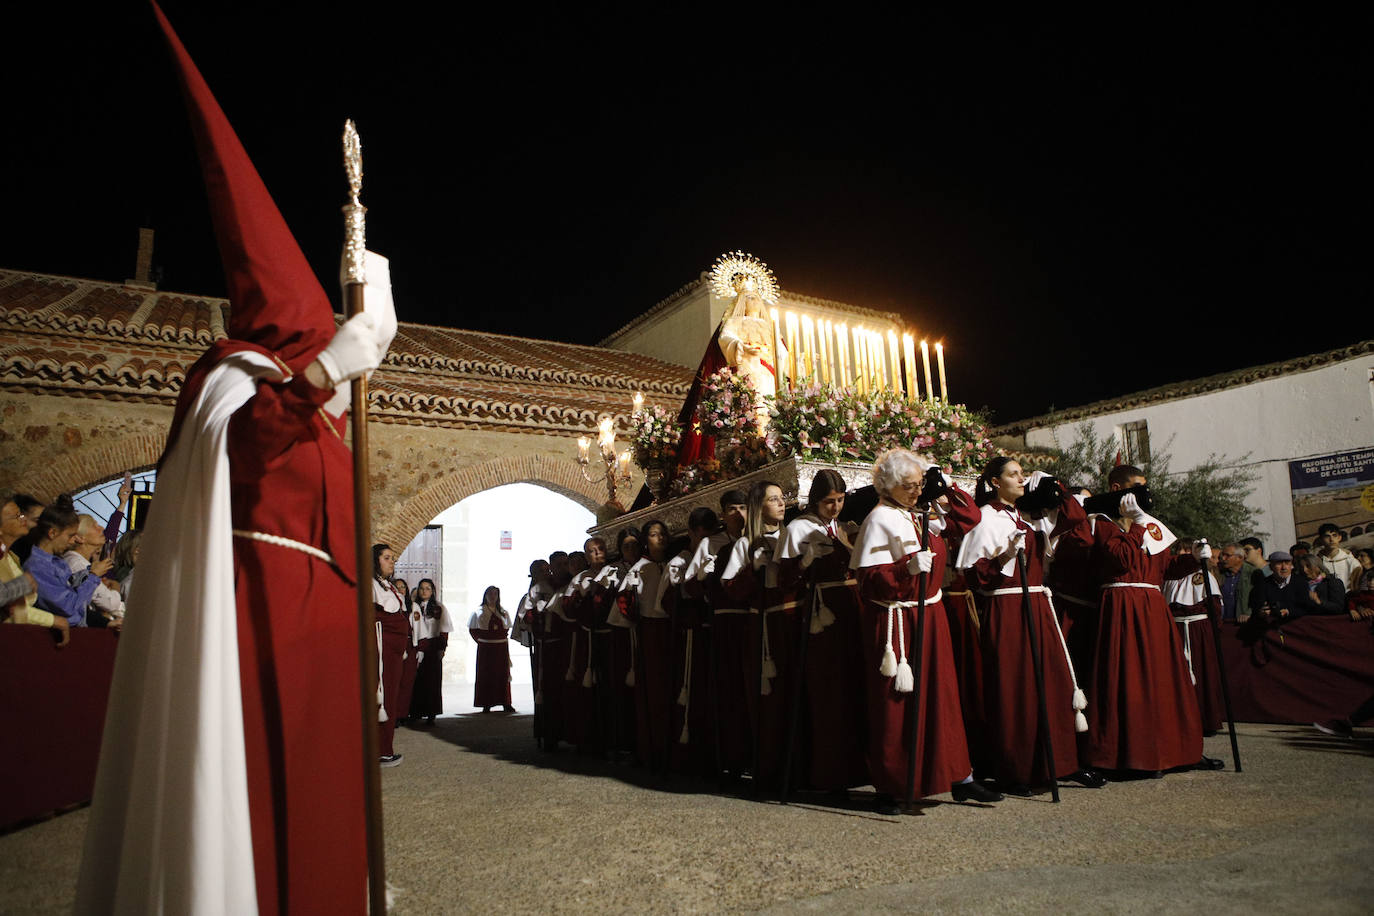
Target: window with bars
(1135, 442)
(101, 500)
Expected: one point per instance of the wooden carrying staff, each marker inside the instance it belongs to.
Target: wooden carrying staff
(354, 281)
(1221, 664)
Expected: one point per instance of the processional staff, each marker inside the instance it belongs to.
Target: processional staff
(355, 279)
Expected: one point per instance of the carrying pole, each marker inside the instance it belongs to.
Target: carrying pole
(354, 281)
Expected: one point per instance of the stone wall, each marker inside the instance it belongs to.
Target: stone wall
(54, 444)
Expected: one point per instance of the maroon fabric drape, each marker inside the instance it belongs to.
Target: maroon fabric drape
(53, 716)
(1320, 668)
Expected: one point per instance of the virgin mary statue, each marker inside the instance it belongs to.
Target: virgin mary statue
(744, 340)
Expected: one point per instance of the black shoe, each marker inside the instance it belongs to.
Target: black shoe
(972, 791)
(886, 804)
(486, 709)
(1020, 790)
(430, 721)
(1088, 778)
(1210, 763)
(508, 709)
(390, 760)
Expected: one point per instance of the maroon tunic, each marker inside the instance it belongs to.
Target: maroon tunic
(1142, 710)
(1011, 737)
(492, 684)
(428, 697)
(942, 757)
(748, 588)
(654, 689)
(298, 651)
(832, 718)
(410, 664)
(692, 731)
(1073, 578)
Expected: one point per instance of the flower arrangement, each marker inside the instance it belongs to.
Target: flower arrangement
(654, 437)
(825, 423)
(695, 476)
(726, 409)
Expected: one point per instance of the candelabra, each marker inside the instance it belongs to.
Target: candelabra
(617, 468)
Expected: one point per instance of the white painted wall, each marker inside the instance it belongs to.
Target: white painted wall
(678, 334)
(1302, 415)
(540, 522)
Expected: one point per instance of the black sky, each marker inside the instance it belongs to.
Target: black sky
(1081, 207)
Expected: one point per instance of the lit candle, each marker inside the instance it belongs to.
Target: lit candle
(809, 346)
(876, 340)
(639, 402)
(842, 352)
(925, 362)
(779, 377)
(583, 443)
(605, 435)
(894, 361)
(625, 462)
(860, 377)
(792, 347)
(940, 361)
(827, 354)
(909, 351)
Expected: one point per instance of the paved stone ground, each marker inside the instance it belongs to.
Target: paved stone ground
(477, 819)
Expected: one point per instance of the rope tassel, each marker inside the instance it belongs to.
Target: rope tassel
(905, 679)
(888, 666)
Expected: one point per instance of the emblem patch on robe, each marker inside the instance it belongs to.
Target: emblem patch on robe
(1197, 578)
(1154, 532)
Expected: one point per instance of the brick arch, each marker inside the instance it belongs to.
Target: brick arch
(561, 475)
(73, 471)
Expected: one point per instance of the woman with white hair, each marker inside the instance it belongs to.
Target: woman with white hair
(891, 554)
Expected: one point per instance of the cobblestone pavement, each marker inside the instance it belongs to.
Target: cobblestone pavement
(477, 819)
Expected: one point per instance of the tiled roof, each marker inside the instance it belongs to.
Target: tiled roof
(784, 297)
(1188, 389)
(86, 338)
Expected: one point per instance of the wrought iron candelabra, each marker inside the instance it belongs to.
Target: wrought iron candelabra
(616, 472)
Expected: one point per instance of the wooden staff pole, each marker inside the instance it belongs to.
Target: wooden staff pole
(354, 281)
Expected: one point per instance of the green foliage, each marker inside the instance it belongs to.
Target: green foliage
(1206, 501)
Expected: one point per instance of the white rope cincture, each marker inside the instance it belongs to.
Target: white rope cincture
(1131, 585)
(588, 678)
(891, 666)
(824, 617)
(381, 695)
(1080, 699)
(1187, 622)
(279, 541)
(571, 673)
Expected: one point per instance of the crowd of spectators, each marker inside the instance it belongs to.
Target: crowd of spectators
(61, 570)
(1298, 582)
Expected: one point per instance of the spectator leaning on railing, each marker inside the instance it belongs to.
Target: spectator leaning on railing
(55, 534)
(1336, 560)
(18, 588)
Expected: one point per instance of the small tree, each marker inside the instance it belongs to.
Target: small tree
(1208, 501)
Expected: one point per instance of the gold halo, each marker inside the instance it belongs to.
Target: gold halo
(733, 268)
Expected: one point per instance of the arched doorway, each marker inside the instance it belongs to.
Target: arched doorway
(490, 538)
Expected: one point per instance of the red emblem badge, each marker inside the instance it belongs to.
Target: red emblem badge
(1197, 578)
(1153, 529)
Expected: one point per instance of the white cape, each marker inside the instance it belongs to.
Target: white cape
(888, 534)
(169, 829)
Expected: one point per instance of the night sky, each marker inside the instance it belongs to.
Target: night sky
(1080, 207)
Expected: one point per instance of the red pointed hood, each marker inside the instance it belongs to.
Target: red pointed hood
(275, 301)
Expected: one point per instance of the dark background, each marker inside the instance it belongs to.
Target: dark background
(1080, 207)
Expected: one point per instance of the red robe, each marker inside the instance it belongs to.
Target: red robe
(832, 714)
(1142, 710)
(942, 757)
(491, 686)
(1011, 737)
(654, 689)
(298, 651)
(1199, 637)
(734, 630)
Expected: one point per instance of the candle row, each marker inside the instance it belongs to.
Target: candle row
(868, 361)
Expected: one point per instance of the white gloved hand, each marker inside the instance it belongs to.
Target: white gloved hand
(1202, 551)
(920, 562)
(761, 557)
(353, 351)
(343, 396)
(1130, 508)
(1017, 542)
(705, 569)
(377, 300)
(949, 481)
